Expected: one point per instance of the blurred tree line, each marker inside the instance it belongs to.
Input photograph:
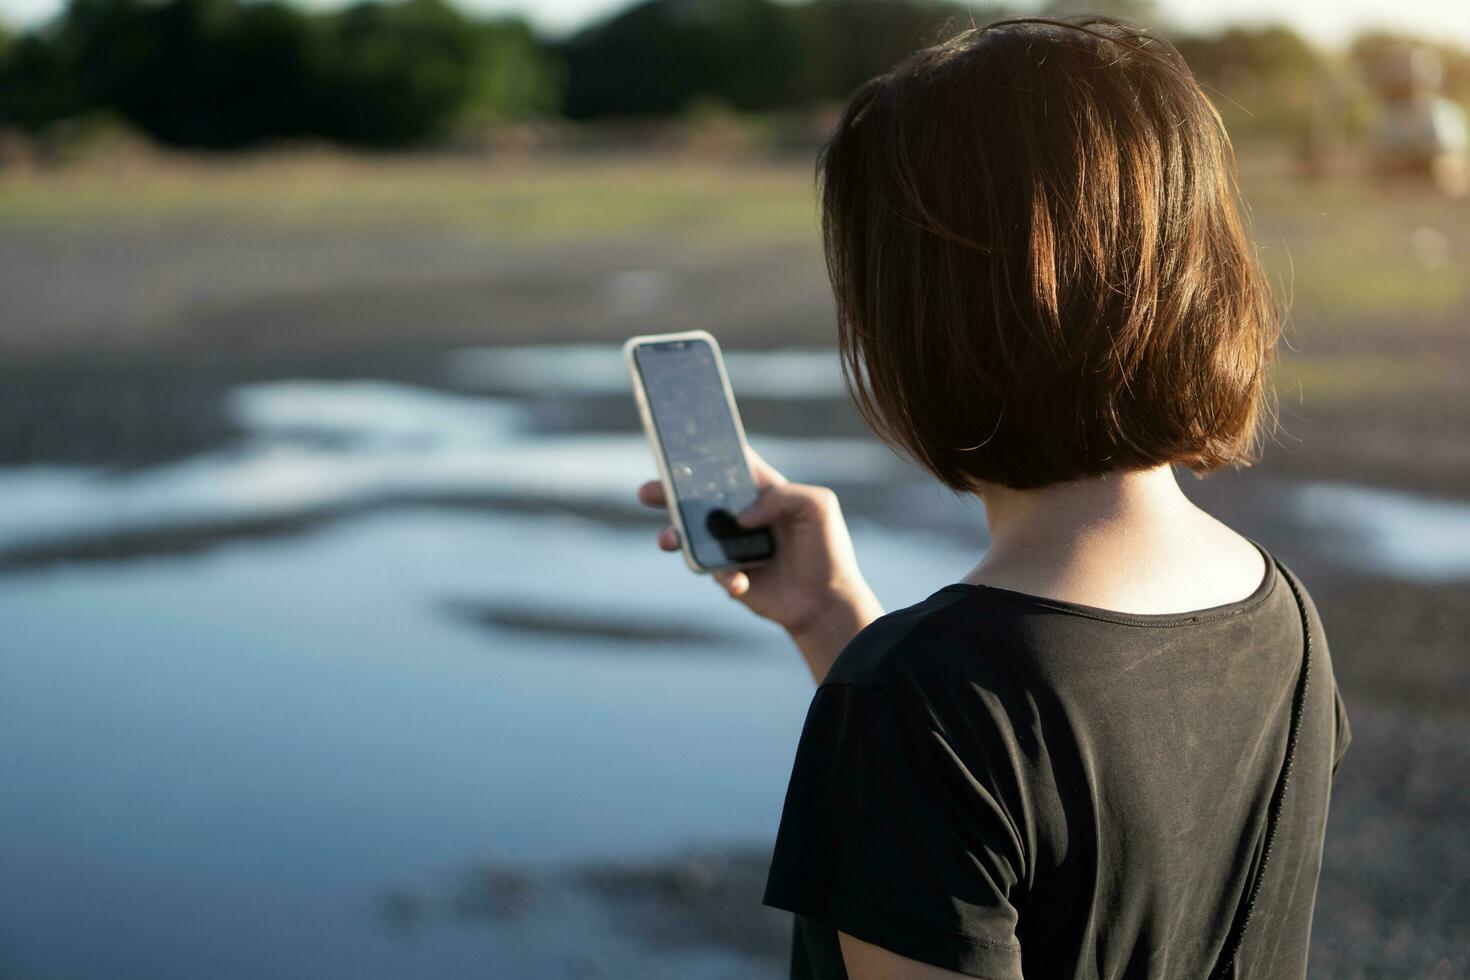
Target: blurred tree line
(228, 73)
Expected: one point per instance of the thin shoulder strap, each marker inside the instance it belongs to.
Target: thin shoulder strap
(1273, 813)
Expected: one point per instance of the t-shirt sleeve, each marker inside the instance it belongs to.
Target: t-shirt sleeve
(888, 836)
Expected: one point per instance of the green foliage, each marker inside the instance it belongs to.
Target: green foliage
(35, 85)
(1264, 80)
(194, 72)
(659, 57)
(848, 42)
(655, 58)
(1137, 11)
(1273, 51)
(227, 73)
(393, 74)
(515, 76)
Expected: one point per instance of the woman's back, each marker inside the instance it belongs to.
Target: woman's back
(999, 783)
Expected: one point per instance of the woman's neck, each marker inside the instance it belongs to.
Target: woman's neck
(1059, 517)
(1126, 541)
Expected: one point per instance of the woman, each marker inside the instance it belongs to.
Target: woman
(1107, 751)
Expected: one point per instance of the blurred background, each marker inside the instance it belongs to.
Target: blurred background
(332, 641)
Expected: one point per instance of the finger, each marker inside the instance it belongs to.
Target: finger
(652, 494)
(668, 539)
(788, 501)
(735, 583)
(765, 474)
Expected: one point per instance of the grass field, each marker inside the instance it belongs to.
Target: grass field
(1347, 255)
(556, 201)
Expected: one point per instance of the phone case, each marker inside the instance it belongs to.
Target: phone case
(651, 431)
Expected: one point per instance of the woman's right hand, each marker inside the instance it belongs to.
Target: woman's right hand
(812, 586)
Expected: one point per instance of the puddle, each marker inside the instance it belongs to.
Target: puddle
(317, 445)
(267, 734)
(275, 732)
(597, 369)
(1400, 535)
(371, 415)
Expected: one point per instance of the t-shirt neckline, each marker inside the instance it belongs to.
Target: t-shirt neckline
(1262, 591)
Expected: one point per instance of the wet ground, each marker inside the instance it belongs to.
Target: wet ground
(335, 648)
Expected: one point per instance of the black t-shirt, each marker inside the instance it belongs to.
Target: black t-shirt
(1001, 784)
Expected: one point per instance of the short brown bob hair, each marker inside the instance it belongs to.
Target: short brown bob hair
(1034, 237)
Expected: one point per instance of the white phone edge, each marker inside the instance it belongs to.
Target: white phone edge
(650, 430)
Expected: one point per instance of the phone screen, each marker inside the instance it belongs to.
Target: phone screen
(702, 450)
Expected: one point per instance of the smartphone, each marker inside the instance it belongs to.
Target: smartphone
(690, 419)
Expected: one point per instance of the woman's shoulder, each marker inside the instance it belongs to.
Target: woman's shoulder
(924, 654)
(871, 656)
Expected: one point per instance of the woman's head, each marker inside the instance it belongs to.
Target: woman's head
(1033, 236)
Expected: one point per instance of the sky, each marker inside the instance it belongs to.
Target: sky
(1328, 22)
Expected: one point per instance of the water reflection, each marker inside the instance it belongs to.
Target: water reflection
(273, 733)
(1400, 535)
(313, 445)
(595, 369)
